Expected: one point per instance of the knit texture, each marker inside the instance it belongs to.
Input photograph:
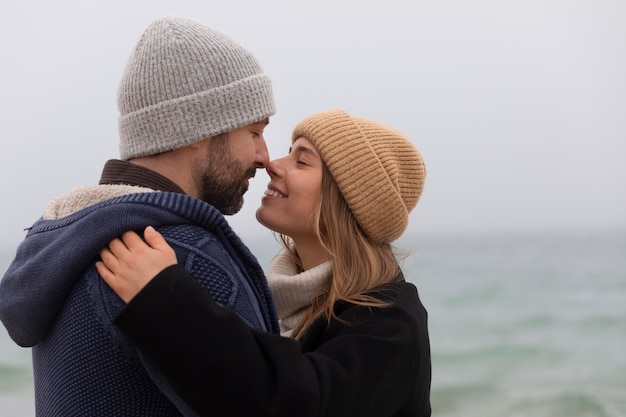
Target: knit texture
(185, 82)
(379, 171)
(52, 298)
(294, 291)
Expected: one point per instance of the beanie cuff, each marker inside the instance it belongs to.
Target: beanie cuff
(182, 121)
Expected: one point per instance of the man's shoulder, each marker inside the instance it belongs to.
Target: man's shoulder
(80, 198)
(191, 237)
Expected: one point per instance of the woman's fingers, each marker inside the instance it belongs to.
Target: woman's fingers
(105, 273)
(130, 241)
(158, 243)
(128, 263)
(108, 257)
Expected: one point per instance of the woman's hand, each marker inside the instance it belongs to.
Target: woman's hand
(128, 263)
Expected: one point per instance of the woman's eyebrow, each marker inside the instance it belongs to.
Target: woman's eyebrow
(304, 149)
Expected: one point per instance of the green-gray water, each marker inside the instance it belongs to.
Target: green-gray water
(521, 325)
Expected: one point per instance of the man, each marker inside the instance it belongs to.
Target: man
(193, 107)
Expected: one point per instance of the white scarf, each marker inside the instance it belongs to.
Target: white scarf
(294, 292)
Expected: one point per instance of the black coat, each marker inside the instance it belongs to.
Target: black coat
(371, 362)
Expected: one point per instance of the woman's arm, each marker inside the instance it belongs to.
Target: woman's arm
(220, 366)
(217, 364)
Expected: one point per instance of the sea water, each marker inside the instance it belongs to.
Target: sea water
(520, 325)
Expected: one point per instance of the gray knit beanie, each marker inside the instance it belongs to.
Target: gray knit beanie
(186, 82)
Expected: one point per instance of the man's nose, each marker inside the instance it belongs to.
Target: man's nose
(262, 155)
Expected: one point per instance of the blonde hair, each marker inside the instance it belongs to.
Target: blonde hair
(359, 264)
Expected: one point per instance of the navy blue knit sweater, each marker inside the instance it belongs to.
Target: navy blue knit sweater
(52, 298)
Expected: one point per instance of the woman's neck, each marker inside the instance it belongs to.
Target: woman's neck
(311, 252)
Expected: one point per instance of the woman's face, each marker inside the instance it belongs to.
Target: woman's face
(292, 196)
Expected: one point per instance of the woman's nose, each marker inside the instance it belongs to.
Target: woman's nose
(274, 167)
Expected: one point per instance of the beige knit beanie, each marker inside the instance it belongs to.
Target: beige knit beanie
(185, 82)
(378, 170)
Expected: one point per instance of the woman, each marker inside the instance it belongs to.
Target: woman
(358, 342)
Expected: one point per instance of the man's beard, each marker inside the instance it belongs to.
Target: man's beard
(223, 179)
(223, 191)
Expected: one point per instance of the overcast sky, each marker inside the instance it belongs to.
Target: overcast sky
(518, 107)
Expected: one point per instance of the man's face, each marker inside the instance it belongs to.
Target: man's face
(231, 160)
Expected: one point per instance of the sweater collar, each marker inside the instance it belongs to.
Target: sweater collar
(118, 172)
(294, 292)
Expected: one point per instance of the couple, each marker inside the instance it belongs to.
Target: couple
(190, 327)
